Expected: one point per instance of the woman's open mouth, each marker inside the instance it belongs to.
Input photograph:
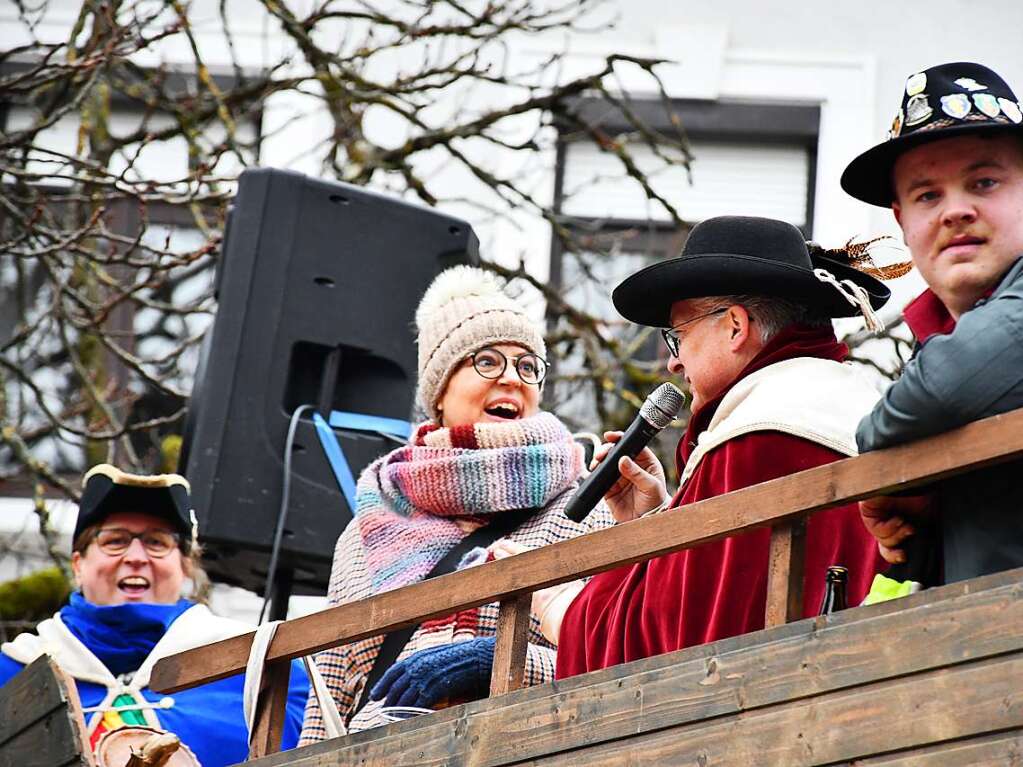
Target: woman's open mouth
(134, 585)
(505, 410)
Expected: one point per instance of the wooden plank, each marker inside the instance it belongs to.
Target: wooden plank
(50, 742)
(510, 650)
(79, 732)
(271, 710)
(28, 697)
(941, 627)
(978, 444)
(922, 709)
(41, 723)
(785, 567)
(987, 751)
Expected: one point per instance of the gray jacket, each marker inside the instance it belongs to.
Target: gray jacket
(974, 372)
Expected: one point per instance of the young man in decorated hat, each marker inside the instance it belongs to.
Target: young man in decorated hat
(951, 170)
(746, 314)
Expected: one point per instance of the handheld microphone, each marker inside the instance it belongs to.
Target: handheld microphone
(659, 409)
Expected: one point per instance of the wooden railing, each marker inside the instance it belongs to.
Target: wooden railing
(783, 504)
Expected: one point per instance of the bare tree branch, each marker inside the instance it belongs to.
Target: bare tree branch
(106, 302)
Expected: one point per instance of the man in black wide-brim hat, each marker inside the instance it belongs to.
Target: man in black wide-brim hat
(951, 169)
(746, 313)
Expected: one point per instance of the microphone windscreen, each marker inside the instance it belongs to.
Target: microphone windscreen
(663, 404)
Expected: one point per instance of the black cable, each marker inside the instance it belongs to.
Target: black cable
(282, 514)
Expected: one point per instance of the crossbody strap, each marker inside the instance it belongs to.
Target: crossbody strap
(332, 723)
(395, 641)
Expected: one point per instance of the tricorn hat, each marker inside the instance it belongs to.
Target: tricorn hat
(735, 255)
(107, 489)
(942, 102)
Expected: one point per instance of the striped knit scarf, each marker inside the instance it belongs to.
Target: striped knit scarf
(419, 501)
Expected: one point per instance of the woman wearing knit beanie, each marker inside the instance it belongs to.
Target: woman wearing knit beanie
(489, 472)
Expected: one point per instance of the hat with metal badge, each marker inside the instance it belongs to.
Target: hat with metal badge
(107, 489)
(735, 255)
(942, 102)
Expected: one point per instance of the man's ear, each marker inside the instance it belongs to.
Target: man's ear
(897, 210)
(738, 327)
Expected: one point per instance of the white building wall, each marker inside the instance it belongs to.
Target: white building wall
(850, 58)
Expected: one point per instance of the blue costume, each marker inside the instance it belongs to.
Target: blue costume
(110, 652)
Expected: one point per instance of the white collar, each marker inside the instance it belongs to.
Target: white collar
(194, 627)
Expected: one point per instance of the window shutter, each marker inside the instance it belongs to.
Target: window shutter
(727, 179)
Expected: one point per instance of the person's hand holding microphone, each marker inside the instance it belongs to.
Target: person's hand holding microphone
(625, 471)
(641, 486)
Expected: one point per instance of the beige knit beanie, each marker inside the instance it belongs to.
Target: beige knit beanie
(464, 310)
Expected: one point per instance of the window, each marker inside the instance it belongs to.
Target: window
(747, 159)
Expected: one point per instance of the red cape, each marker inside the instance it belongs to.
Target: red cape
(719, 589)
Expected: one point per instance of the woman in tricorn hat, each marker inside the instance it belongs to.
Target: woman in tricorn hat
(133, 550)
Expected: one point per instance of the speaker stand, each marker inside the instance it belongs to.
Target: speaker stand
(281, 595)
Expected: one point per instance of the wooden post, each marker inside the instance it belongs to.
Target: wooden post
(74, 705)
(270, 710)
(41, 721)
(512, 638)
(785, 569)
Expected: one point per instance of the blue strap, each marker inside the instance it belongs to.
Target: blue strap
(332, 449)
(342, 471)
(361, 422)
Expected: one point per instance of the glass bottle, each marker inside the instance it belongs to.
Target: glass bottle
(834, 590)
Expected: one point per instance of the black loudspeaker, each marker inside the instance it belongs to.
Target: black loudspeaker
(317, 289)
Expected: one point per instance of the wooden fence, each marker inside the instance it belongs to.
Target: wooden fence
(41, 722)
(930, 680)
(783, 504)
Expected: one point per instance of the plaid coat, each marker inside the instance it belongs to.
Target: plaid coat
(346, 668)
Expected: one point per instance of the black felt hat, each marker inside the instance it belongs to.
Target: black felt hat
(736, 255)
(942, 102)
(107, 489)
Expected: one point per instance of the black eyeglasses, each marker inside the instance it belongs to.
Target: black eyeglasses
(116, 540)
(671, 336)
(491, 363)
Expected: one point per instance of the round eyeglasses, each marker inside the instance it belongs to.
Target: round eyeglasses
(671, 335)
(491, 363)
(116, 540)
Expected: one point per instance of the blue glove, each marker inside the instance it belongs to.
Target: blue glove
(459, 670)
